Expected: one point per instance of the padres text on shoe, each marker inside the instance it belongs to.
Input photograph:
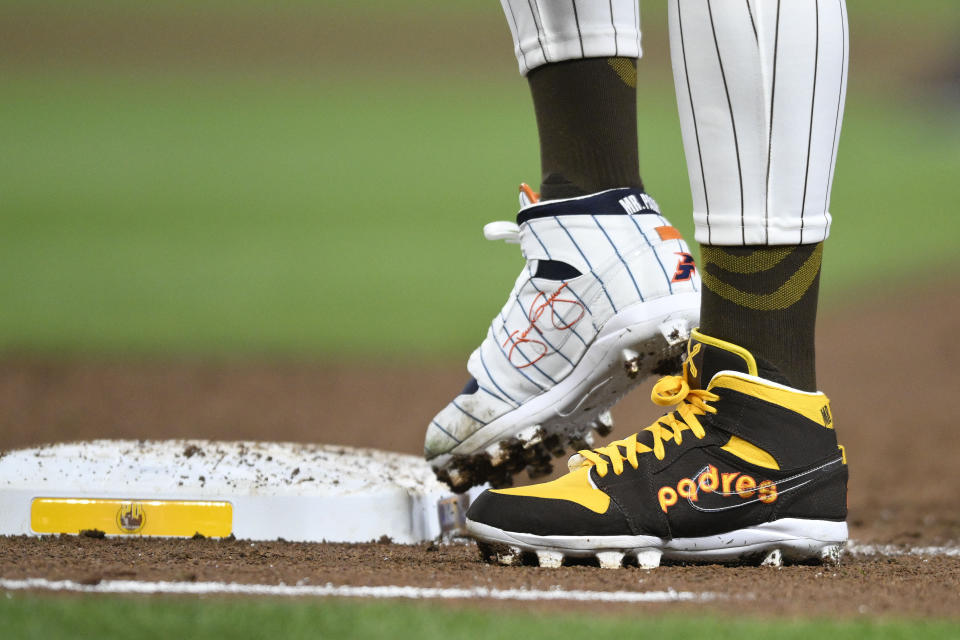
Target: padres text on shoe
(607, 297)
(745, 469)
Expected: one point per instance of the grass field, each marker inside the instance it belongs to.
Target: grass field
(173, 214)
(283, 213)
(288, 210)
(71, 617)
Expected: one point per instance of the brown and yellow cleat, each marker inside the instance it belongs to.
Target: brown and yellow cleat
(744, 470)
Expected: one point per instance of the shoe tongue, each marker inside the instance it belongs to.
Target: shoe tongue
(708, 355)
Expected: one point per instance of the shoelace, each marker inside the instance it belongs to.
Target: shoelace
(668, 391)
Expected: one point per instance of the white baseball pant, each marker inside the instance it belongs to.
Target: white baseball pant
(760, 88)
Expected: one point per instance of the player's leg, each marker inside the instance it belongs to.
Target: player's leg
(747, 465)
(587, 121)
(580, 60)
(760, 88)
(609, 291)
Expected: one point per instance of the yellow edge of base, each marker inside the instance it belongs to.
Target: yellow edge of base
(181, 518)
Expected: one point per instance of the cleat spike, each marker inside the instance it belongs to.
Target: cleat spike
(589, 438)
(831, 554)
(604, 424)
(510, 556)
(455, 477)
(496, 453)
(610, 559)
(649, 558)
(675, 331)
(530, 436)
(549, 559)
(773, 559)
(631, 362)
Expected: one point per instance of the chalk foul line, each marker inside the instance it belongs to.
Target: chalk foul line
(418, 593)
(331, 590)
(857, 549)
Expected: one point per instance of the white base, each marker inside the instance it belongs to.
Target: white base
(277, 490)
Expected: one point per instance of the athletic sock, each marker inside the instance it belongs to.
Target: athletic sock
(765, 300)
(587, 119)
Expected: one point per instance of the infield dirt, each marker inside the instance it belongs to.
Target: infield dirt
(888, 366)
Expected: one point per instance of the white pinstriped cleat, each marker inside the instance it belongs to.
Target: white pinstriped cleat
(608, 297)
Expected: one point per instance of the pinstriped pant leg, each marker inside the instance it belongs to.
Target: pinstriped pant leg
(547, 31)
(760, 89)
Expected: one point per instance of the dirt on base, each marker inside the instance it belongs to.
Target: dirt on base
(889, 367)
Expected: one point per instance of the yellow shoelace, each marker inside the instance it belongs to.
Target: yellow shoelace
(668, 391)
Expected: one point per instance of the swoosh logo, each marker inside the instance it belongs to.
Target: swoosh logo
(799, 479)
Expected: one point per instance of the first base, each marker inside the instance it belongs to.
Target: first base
(251, 490)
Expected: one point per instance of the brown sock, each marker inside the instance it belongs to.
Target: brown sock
(587, 119)
(765, 300)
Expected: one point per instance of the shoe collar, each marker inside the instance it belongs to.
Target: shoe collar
(717, 380)
(619, 201)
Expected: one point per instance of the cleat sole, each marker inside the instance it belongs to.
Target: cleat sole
(773, 544)
(563, 419)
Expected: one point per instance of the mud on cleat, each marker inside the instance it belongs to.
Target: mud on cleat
(607, 297)
(745, 469)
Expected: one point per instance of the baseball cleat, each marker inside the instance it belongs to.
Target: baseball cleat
(745, 470)
(608, 296)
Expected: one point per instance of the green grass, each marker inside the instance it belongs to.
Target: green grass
(26, 616)
(306, 212)
(931, 14)
(333, 217)
(236, 217)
